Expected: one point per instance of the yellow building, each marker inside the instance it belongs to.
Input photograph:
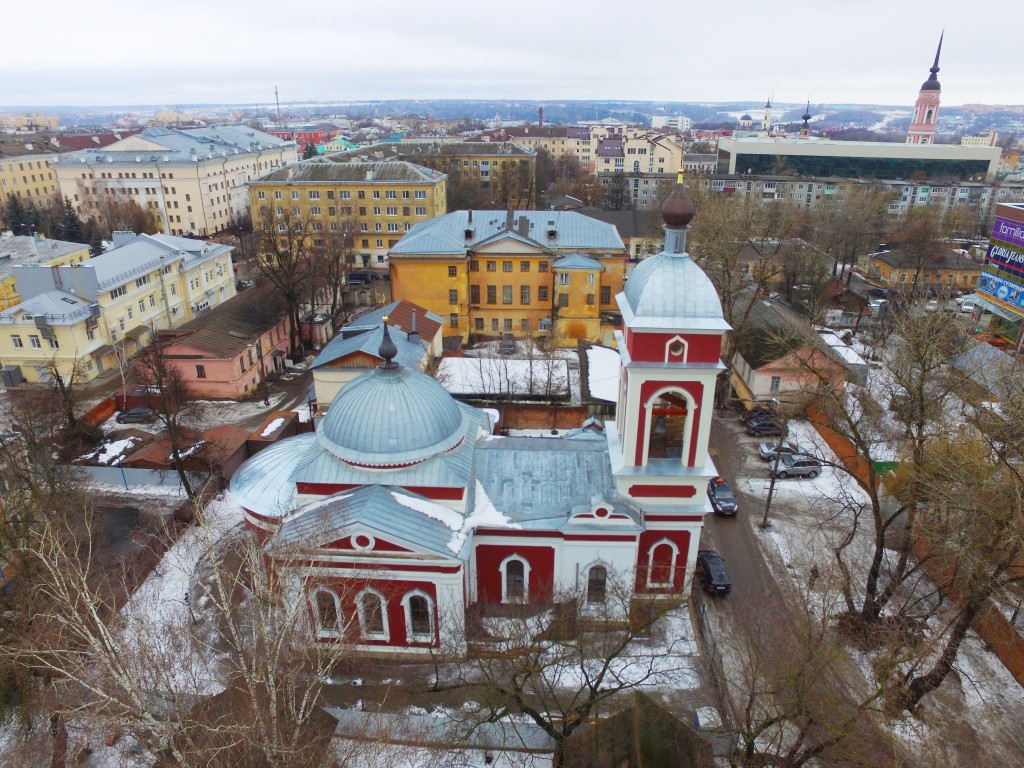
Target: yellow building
(19, 250)
(29, 123)
(504, 173)
(940, 274)
(96, 314)
(375, 203)
(30, 178)
(525, 273)
(193, 180)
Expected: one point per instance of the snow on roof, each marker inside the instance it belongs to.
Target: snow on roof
(849, 355)
(503, 375)
(603, 364)
(272, 427)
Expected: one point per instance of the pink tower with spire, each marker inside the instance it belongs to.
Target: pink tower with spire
(926, 110)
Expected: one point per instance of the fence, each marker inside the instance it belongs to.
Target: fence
(130, 477)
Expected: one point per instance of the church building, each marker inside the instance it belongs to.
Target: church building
(404, 512)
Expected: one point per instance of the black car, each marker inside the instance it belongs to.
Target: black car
(765, 426)
(880, 292)
(723, 500)
(711, 569)
(757, 412)
(137, 416)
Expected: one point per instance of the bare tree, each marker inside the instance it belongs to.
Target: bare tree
(850, 226)
(174, 402)
(283, 259)
(563, 663)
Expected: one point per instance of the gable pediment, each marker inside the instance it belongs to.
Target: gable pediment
(135, 144)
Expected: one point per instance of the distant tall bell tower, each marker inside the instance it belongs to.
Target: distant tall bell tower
(926, 110)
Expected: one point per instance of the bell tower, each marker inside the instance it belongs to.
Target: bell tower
(926, 110)
(670, 349)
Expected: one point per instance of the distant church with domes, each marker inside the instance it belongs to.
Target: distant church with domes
(406, 511)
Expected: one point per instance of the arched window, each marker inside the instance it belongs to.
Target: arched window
(373, 615)
(327, 613)
(515, 576)
(667, 432)
(597, 584)
(419, 617)
(928, 117)
(661, 563)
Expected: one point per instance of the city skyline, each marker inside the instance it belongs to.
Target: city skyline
(873, 53)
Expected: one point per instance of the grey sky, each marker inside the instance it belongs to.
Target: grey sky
(188, 51)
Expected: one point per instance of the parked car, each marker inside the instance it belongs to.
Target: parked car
(756, 412)
(143, 415)
(879, 292)
(765, 426)
(767, 450)
(723, 500)
(951, 306)
(878, 307)
(797, 466)
(931, 306)
(507, 345)
(243, 284)
(711, 569)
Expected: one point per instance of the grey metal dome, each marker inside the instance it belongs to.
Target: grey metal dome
(389, 418)
(670, 290)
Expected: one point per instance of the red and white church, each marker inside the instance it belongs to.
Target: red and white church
(403, 509)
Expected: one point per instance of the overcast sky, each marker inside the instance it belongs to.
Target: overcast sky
(113, 52)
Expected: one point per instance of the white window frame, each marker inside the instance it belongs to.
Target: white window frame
(319, 629)
(386, 634)
(504, 579)
(671, 570)
(418, 637)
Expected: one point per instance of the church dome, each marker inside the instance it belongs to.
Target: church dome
(672, 290)
(391, 417)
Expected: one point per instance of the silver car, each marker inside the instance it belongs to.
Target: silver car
(767, 449)
(797, 466)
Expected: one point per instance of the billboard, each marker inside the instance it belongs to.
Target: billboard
(1002, 280)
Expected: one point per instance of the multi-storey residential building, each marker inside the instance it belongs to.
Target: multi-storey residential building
(29, 122)
(812, 156)
(523, 273)
(101, 311)
(193, 180)
(815, 193)
(374, 203)
(23, 250)
(30, 178)
(503, 170)
(675, 122)
(557, 141)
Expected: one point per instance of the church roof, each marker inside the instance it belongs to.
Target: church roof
(392, 417)
(397, 515)
(525, 478)
(671, 290)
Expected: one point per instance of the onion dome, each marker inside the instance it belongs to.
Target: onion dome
(678, 210)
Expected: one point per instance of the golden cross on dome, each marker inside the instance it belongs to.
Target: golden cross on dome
(679, 175)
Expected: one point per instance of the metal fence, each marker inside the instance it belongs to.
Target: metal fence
(130, 477)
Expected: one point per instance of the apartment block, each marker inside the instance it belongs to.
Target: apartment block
(194, 180)
(23, 250)
(100, 311)
(373, 203)
(30, 178)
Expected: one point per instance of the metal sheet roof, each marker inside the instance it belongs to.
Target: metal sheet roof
(327, 171)
(57, 307)
(180, 146)
(577, 261)
(146, 253)
(447, 234)
(379, 508)
(263, 483)
(410, 353)
(528, 478)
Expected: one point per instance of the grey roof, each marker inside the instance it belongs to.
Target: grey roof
(391, 417)
(525, 477)
(447, 234)
(233, 325)
(577, 261)
(451, 469)
(410, 149)
(182, 146)
(377, 507)
(57, 307)
(263, 483)
(671, 290)
(990, 367)
(329, 171)
(367, 338)
(146, 252)
(21, 249)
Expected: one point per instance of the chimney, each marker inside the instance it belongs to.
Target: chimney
(414, 335)
(540, 117)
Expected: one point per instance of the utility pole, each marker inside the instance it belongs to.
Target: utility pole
(278, 101)
(765, 522)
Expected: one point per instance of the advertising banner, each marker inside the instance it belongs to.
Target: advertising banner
(1008, 231)
(1002, 291)
(1008, 261)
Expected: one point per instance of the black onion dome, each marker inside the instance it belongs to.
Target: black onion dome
(678, 210)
